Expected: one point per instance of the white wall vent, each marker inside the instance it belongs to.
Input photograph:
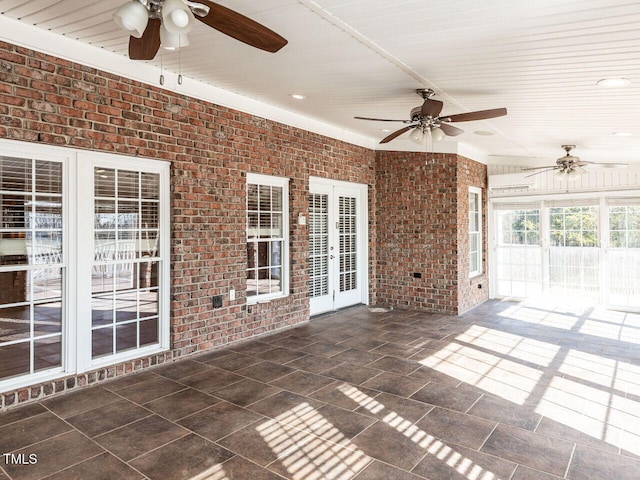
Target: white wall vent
(512, 182)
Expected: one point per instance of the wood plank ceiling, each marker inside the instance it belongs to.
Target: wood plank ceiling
(541, 60)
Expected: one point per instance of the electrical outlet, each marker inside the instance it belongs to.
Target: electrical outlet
(232, 295)
(217, 301)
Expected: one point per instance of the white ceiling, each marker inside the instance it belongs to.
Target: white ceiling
(541, 60)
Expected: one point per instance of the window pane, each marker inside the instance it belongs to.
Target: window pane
(618, 240)
(252, 225)
(150, 214)
(45, 247)
(148, 244)
(47, 318)
(128, 214)
(148, 303)
(148, 274)
(15, 174)
(150, 186)
(104, 182)
(252, 197)
(102, 310)
(14, 359)
(126, 306)
(276, 199)
(45, 283)
(15, 323)
(102, 342)
(105, 215)
(47, 353)
(128, 186)
(149, 331)
(48, 177)
(126, 336)
(264, 192)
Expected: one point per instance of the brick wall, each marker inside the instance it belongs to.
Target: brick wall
(211, 148)
(471, 174)
(422, 212)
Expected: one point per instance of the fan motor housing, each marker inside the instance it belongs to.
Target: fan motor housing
(415, 113)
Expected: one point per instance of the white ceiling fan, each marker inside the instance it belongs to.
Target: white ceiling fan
(570, 167)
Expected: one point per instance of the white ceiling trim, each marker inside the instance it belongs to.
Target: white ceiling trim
(31, 37)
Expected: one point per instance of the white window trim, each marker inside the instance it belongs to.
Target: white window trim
(478, 271)
(76, 335)
(283, 182)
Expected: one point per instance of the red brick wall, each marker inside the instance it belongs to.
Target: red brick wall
(211, 148)
(471, 174)
(422, 212)
(416, 208)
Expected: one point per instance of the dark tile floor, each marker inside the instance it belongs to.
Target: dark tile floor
(508, 391)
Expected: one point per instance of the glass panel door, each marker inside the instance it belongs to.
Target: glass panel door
(124, 279)
(336, 258)
(32, 267)
(574, 256)
(518, 253)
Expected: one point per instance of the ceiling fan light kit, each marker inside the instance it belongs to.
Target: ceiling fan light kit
(155, 23)
(132, 17)
(426, 120)
(177, 17)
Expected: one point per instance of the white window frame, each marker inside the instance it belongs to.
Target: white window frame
(474, 272)
(282, 182)
(87, 162)
(78, 253)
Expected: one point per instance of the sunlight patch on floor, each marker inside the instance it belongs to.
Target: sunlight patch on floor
(515, 346)
(215, 472)
(458, 462)
(310, 447)
(500, 376)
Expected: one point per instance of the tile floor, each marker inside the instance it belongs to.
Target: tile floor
(507, 391)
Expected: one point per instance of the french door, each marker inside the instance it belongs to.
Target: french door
(337, 245)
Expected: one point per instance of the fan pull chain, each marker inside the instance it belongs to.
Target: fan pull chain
(179, 62)
(161, 70)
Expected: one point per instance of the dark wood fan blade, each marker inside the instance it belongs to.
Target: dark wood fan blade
(397, 133)
(382, 119)
(431, 108)
(479, 115)
(450, 130)
(146, 47)
(241, 28)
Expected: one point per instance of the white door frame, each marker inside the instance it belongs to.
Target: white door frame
(360, 192)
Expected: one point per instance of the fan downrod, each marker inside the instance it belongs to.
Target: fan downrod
(425, 93)
(568, 148)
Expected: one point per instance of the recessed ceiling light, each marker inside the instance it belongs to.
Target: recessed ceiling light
(298, 96)
(385, 129)
(613, 82)
(484, 133)
(623, 134)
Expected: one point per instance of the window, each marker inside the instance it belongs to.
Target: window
(32, 266)
(475, 231)
(267, 237)
(84, 283)
(624, 226)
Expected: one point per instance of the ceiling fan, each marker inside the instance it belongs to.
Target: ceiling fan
(425, 120)
(166, 23)
(570, 167)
